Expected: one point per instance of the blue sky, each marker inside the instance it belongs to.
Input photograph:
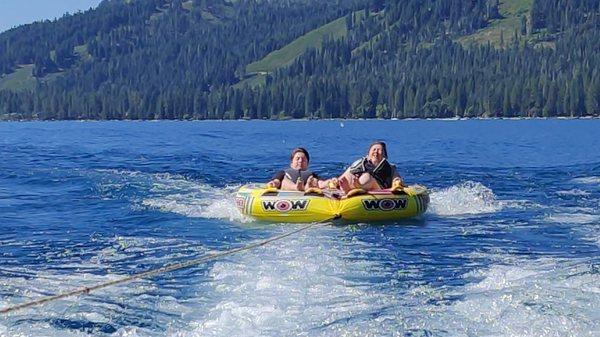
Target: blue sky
(19, 12)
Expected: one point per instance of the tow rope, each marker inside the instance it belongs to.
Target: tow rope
(154, 272)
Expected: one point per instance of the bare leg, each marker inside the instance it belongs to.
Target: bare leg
(364, 179)
(368, 183)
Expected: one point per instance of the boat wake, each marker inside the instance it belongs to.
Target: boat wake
(180, 195)
(174, 194)
(196, 201)
(467, 198)
(545, 297)
(593, 180)
(314, 285)
(143, 307)
(302, 286)
(574, 218)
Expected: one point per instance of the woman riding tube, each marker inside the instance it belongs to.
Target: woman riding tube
(372, 172)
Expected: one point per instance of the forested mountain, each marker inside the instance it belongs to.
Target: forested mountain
(148, 59)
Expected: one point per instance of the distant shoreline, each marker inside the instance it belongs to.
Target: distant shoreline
(307, 119)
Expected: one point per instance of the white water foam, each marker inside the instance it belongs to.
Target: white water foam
(299, 286)
(307, 287)
(584, 221)
(314, 284)
(91, 310)
(200, 201)
(177, 194)
(593, 180)
(593, 236)
(118, 310)
(536, 298)
(573, 218)
(467, 198)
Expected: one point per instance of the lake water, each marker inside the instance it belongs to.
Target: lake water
(509, 246)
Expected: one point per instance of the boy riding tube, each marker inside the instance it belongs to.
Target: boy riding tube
(297, 177)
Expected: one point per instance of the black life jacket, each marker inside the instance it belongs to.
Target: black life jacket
(293, 175)
(383, 172)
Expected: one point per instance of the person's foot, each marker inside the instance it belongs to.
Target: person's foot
(344, 185)
(333, 184)
(312, 182)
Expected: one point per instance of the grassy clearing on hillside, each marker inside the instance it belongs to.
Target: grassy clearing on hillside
(253, 81)
(498, 31)
(514, 7)
(374, 39)
(512, 12)
(188, 5)
(82, 52)
(313, 39)
(21, 79)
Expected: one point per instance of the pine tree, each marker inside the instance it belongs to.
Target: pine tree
(592, 97)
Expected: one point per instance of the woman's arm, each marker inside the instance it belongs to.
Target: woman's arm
(397, 180)
(276, 180)
(276, 183)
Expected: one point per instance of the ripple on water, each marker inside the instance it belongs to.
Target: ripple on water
(592, 180)
(573, 192)
(573, 218)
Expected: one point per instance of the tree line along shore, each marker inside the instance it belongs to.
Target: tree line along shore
(203, 59)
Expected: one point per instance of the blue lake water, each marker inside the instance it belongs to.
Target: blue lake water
(509, 246)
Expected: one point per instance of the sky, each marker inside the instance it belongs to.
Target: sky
(18, 12)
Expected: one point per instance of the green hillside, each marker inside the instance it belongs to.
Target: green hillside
(225, 59)
(313, 39)
(512, 12)
(21, 79)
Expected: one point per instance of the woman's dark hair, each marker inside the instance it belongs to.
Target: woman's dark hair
(300, 149)
(382, 145)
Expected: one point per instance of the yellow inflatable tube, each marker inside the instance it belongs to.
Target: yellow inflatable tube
(323, 205)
